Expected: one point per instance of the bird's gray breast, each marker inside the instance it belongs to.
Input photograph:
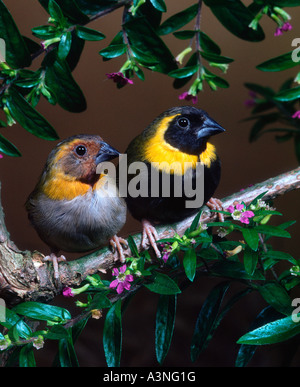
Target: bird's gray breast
(84, 223)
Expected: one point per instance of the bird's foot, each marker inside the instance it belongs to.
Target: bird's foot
(118, 245)
(149, 236)
(216, 204)
(55, 260)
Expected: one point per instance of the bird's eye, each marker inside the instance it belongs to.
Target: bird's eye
(183, 122)
(80, 150)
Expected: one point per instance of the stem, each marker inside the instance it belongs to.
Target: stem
(197, 41)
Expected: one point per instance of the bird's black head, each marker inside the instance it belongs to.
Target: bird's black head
(189, 129)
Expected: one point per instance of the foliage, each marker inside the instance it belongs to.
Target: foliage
(235, 251)
(246, 257)
(141, 42)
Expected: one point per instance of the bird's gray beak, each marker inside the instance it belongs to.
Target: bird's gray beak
(209, 128)
(106, 153)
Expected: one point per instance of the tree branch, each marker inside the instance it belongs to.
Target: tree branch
(24, 276)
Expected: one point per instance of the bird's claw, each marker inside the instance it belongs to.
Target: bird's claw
(216, 204)
(55, 260)
(150, 236)
(118, 245)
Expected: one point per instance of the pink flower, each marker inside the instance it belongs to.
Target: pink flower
(284, 28)
(68, 292)
(119, 78)
(1, 156)
(238, 212)
(188, 97)
(122, 280)
(296, 114)
(278, 31)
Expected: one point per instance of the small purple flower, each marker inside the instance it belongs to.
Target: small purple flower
(252, 100)
(284, 28)
(278, 31)
(296, 114)
(119, 78)
(68, 292)
(238, 212)
(188, 97)
(122, 280)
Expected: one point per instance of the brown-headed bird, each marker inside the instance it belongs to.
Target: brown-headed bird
(180, 135)
(74, 208)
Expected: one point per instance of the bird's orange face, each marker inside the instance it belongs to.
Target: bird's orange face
(71, 166)
(78, 159)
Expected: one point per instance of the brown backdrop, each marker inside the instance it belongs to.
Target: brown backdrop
(118, 116)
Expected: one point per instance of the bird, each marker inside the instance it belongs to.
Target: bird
(74, 208)
(181, 135)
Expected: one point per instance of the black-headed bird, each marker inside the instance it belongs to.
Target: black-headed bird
(177, 138)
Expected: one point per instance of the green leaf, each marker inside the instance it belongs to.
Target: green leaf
(113, 51)
(159, 5)
(45, 32)
(112, 335)
(250, 260)
(89, 34)
(56, 12)
(276, 296)
(178, 20)
(57, 332)
(208, 45)
(285, 3)
(26, 356)
(272, 231)
(246, 352)
(13, 320)
(17, 53)
(164, 326)
(70, 9)
(100, 301)
(232, 269)
(133, 246)
(29, 118)
(40, 311)
(207, 318)
(143, 59)
(190, 263)
(280, 256)
(194, 224)
(281, 62)
(215, 58)
(183, 35)
(163, 284)
(288, 95)
(271, 333)
(8, 148)
(66, 353)
(235, 16)
(251, 237)
(184, 72)
(142, 36)
(59, 80)
(65, 45)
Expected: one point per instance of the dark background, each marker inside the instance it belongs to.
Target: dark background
(118, 116)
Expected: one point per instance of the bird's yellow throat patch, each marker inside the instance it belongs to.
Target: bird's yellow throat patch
(170, 159)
